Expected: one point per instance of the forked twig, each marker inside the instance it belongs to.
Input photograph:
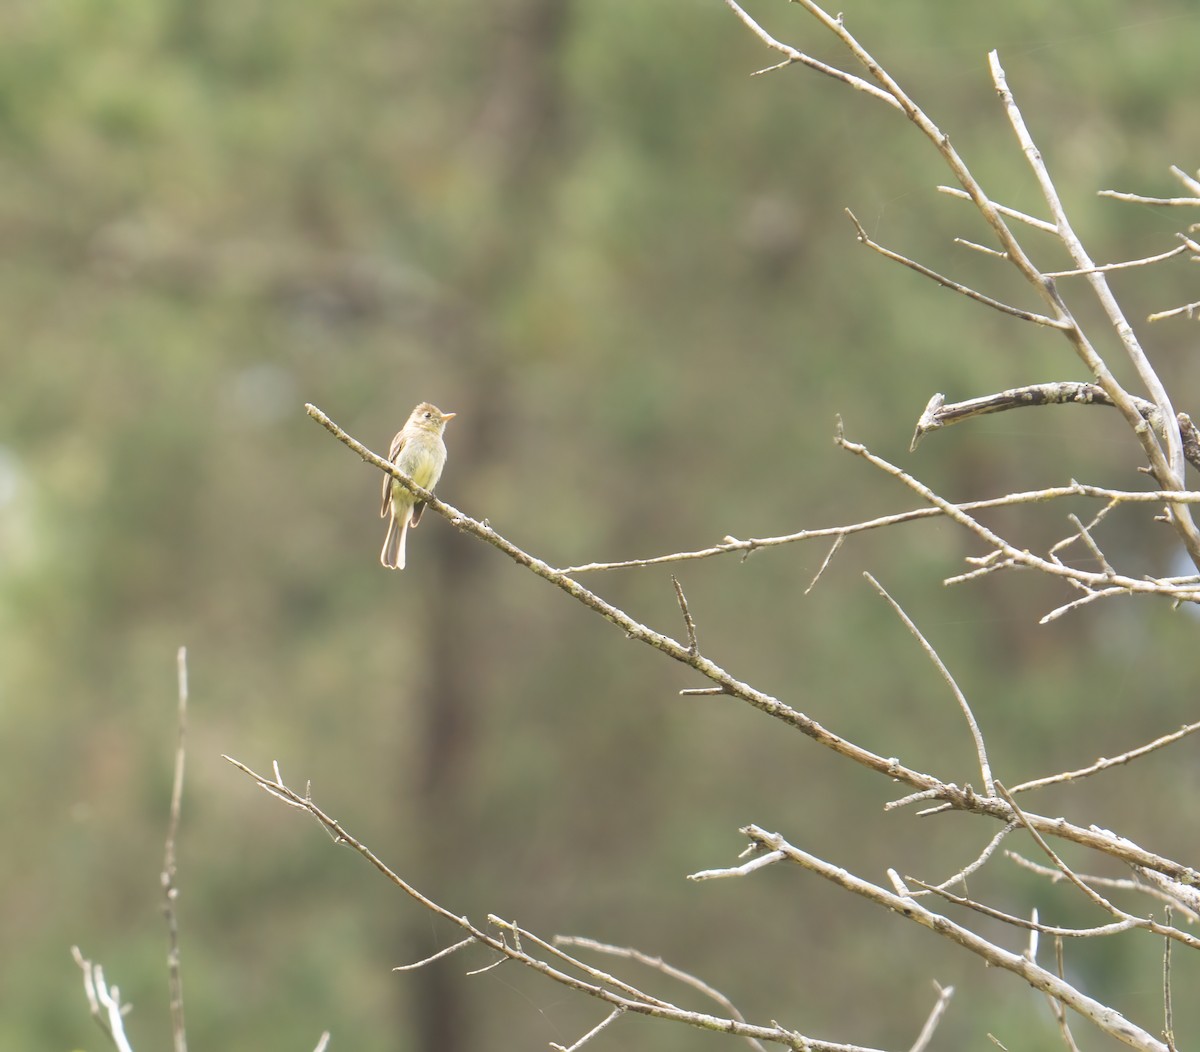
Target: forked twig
(104, 1002)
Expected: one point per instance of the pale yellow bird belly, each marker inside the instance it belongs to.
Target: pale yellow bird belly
(425, 471)
(423, 466)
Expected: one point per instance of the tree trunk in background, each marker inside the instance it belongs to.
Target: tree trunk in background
(518, 129)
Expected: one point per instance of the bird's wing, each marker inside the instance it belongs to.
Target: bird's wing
(393, 453)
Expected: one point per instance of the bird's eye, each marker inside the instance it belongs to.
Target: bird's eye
(428, 415)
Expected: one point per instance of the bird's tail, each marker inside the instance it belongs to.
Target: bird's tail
(392, 555)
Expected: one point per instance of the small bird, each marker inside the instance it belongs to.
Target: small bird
(419, 452)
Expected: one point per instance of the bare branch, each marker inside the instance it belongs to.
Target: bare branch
(1168, 471)
(1105, 1018)
(634, 629)
(952, 796)
(938, 414)
(625, 998)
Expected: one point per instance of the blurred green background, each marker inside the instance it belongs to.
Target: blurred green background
(624, 263)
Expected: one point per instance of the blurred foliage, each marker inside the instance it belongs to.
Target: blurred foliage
(624, 263)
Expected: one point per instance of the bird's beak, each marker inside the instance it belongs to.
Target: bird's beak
(449, 416)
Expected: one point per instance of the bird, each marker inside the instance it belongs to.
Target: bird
(419, 452)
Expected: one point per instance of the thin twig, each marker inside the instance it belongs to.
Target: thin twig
(1190, 310)
(104, 1002)
(944, 993)
(658, 964)
(1149, 883)
(435, 957)
(982, 249)
(552, 948)
(794, 56)
(1104, 268)
(1139, 199)
(950, 283)
(1082, 530)
(1075, 604)
(1019, 922)
(1104, 763)
(732, 545)
(838, 541)
(1084, 534)
(985, 768)
(768, 858)
(1066, 870)
(961, 876)
(1004, 210)
(688, 623)
(1168, 1011)
(612, 1017)
(1060, 1013)
(169, 883)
